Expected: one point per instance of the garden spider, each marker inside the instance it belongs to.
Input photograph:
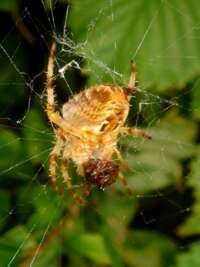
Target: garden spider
(87, 131)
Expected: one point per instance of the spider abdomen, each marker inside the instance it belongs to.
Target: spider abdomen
(95, 107)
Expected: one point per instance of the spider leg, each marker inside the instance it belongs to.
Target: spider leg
(50, 81)
(125, 183)
(67, 181)
(52, 115)
(135, 132)
(122, 161)
(130, 89)
(62, 124)
(132, 78)
(87, 186)
(53, 163)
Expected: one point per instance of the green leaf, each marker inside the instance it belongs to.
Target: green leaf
(112, 205)
(191, 225)
(196, 99)
(156, 163)
(189, 258)
(91, 246)
(113, 249)
(158, 35)
(142, 247)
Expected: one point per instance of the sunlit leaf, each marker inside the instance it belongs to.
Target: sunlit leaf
(156, 163)
(160, 36)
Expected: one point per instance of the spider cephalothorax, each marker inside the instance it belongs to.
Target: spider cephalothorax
(100, 172)
(88, 129)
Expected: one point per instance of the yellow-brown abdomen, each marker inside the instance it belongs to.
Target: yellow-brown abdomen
(97, 106)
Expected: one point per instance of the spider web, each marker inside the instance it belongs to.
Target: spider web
(32, 208)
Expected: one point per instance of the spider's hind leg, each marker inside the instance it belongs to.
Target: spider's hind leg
(135, 132)
(122, 161)
(67, 181)
(125, 183)
(87, 188)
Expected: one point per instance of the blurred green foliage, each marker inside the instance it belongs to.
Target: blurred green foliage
(158, 226)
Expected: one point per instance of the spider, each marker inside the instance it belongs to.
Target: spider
(87, 131)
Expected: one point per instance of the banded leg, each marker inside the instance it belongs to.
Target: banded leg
(132, 79)
(53, 163)
(67, 181)
(125, 183)
(87, 186)
(62, 124)
(130, 88)
(135, 132)
(122, 161)
(50, 81)
(50, 108)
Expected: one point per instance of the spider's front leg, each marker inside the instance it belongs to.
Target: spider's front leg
(53, 163)
(50, 108)
(67, 181)
(63, 124)
(135, 132)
